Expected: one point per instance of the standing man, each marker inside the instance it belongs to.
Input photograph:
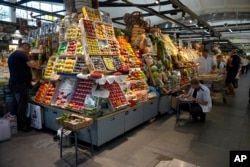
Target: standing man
(233, 66)
(206, 63)
(19, 82)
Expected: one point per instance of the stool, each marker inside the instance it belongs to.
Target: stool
(76, 143)
(178, 111)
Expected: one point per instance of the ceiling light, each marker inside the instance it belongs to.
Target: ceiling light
(230, 30)
(190, 21)
(157, 1)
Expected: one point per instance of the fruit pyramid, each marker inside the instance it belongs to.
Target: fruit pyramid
(128, 53)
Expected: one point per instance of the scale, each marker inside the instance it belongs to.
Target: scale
(98, 103)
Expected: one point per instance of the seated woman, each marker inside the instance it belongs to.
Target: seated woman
(202, 102)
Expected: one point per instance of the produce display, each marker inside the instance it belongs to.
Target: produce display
(109, 63)
(49, 69)
(98, 63)
(65, 64)
(113, 47)
(91, 14)
(89, 28)
(62, 48)
(93, 46)
(80, 64)
(64, 92)
(109, 31)
(117, 61)
(71, 48)
(73, 33)
(136, 75)
(41, 91)
(100, 31)
(128, 54)
(84, 87)
(103, 47)
(138, 85)
(116, 97)
(79, 48)
(49, 93)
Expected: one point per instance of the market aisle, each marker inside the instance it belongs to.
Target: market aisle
(203, 144)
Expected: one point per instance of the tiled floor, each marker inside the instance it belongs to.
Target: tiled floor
(156, 144)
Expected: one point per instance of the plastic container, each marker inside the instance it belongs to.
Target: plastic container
(5, 132)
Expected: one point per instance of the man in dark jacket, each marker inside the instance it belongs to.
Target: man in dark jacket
(233, 66)
(19, 82)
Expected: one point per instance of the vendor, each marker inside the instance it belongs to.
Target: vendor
(202, 104)
(206, 63)
(221, 65)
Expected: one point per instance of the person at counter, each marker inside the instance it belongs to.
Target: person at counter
(19, 82)
(206, 63)
(199, 94)
(221, 65)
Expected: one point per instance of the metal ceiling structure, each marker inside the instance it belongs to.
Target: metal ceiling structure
(223, 20)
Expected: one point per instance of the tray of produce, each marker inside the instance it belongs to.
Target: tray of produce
(100, 31)
(116, 97)
(50, 68)
(79, 65)
(74, 121)
(41, 92)
(98, 63)
(89, 28)
(91, 14)
(108, 61)
(113, 45)
(64, 92)
(65, 64)
(71, 48)
(93, 48)
(83, 88)
(62, 48)
(109, 31)
(49, 93)
(103, 47)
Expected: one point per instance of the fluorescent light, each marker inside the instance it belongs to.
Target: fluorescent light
(230, 30)
(157, 1)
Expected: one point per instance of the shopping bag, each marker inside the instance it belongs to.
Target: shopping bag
(36, 116)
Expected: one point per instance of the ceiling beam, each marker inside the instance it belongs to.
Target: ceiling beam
(114, 4)
(194, 16)
(149, 14)
(26, 1)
